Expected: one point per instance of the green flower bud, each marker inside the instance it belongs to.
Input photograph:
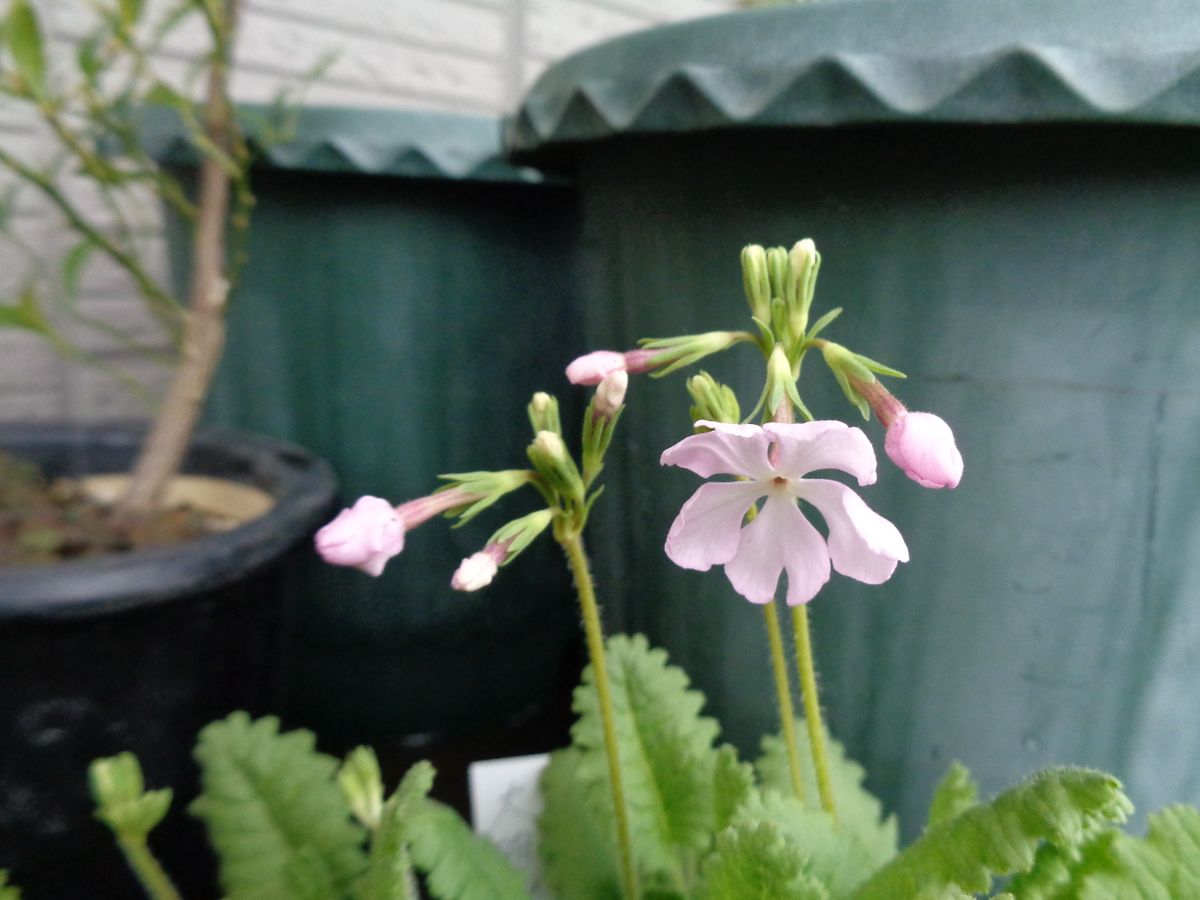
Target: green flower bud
(853, 371)
(756, 282)
(543, 413)
(803, 264)
(122, 803)
(712, 400)
(361, 784)
(549, 456)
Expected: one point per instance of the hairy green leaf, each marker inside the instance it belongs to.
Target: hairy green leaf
(666, 755)
(273, 811)
(23, 33)
(458, 864)
(859, 812)
(577, 840)
(1062, 806)
(754, 861)
(733, 787)
(956, 793)
(1164, 865)
(1057, 872)
(389, 868)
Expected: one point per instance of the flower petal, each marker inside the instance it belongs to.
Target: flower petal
(862, 544)
(779, 538)
(809, 446)
(708, 528)
(726, 450)
(592, 367)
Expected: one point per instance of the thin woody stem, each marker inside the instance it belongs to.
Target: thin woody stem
(572, 543)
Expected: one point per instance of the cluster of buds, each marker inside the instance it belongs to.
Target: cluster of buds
(369, 533)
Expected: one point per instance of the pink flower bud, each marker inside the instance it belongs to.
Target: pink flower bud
(610, 393)
(922, 444)
(364, 536)
(592, 367)
(478, 569)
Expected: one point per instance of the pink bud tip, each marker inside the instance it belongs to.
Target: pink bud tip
(922, 444)
(592, 367)
(475, 572)
(365, 536)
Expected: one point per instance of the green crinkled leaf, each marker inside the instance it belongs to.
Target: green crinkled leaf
(1062, 806)
(860, 813)
(273, 811)
(666, 756)
(576, 843)
(1165, 865)
(389, 867)
(8, 891)
(955, 794)
(837, 855)
(733, 787)
(754, 861)
(1057, 872)
(458, 864)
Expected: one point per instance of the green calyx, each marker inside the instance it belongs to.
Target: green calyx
(549, 456)
(850, 368)
(780, 385)
(491, 486)
(518, 534)
(122, 801)
(711, 400)
(671, 354)
(543, 413)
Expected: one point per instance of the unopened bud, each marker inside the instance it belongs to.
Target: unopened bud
(756, 282)
(712, 400)
(610, 394)
(475, 572)
(543, 413)
(803, 264)
(361, 784)
(549, 456)
(122, 802)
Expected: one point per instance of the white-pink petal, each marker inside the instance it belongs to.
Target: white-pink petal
(708, 528)
(779, 539)
(862, 544)
(726, 450)
(810, 446)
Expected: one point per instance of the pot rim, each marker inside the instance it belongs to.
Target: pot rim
(302, 484)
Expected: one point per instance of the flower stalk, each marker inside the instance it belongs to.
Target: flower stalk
(572, 544)
(783, 694)
(812, 708)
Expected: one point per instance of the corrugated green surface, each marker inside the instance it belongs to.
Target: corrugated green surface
(877, 61)
(397, 327)
(1041, 288)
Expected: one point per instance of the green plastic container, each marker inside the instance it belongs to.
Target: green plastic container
(1007, 198)
(407, 292)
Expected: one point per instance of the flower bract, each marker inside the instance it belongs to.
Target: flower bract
(773, 460)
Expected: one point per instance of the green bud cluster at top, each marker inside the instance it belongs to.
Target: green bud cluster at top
(779, 284)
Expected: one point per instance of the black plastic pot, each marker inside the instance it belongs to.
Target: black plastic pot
(137, 652)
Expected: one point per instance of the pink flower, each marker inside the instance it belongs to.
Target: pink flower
(922, 444)
(364, 536)
(708, 530)
(594, 367)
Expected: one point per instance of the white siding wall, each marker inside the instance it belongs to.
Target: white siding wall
(473, 56)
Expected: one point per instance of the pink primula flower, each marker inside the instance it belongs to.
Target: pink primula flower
(922, 444)
(709, 529)
(364, 536)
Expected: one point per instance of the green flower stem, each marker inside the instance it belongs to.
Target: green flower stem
(572, 543)
(154, 880)
(783, 693)
(812, 707)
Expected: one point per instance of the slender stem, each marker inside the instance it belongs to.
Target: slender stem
(783, 693)
(812, 707)
(154, 880)
(572, 543)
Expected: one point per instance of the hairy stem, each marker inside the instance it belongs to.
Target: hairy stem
(812, 707)
(154, 880)
(783, 694)
(572, 543)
